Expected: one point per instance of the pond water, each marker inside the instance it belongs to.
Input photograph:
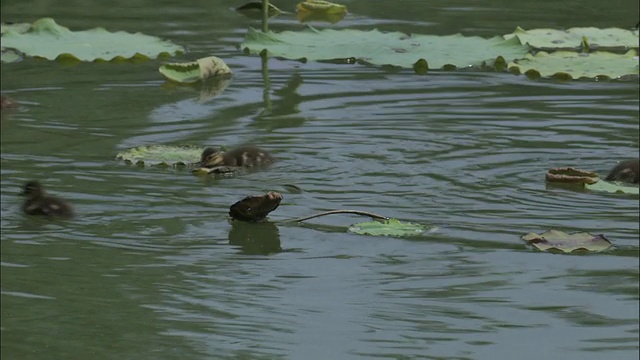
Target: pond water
(152, 269)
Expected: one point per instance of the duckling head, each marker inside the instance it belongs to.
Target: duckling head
(32, 189)
(211, 157)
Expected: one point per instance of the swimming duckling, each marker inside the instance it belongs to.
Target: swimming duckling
(246, 156)
(39, 203)
(626, 171)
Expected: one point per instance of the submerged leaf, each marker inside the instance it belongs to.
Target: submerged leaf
(48, 40)
(613, 187)
(555, 240)
(191, 72)
(162, 155)
(380, 48)
(391, 227)
(253, 10)
(578, 65)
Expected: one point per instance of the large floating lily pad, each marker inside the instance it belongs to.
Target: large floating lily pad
(560, 241)
(391, 227)
(380, 48)
(48, 40)
(551, 39)
(162, 155)
(567, 64)
(613, 187)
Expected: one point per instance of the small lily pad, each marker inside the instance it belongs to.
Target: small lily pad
(560, 241)
(390, 227)
(162, 155)
(194, 71)
(319, 10)
(572, 175)
(613, 187)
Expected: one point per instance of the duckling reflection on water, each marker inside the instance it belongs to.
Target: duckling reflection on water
(39, 203)
(246, 156)
(627, 171)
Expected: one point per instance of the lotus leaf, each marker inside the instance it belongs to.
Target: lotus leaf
(551, 39)
(391, 227)
(191, 72)
(567, 64)
(162, 155)
(319, 10)
(613, 187)
(48, 40)
(380, 48)
(554, 240)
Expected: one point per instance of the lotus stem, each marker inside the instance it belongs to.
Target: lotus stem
(265, 16)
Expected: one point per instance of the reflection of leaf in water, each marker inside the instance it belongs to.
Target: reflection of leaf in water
(261, 238)
(560, 241)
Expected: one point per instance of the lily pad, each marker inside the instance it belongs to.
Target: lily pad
(572, 175)
(560, 241)
(319, 10)
(601, 39)
(390, 227)
(613, 187)
(573, 65)
(162, 155)
(381, 48)
(48, 40)
(194, 71)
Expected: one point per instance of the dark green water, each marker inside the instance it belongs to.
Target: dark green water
(151, 269)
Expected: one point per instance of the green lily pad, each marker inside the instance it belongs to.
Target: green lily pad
(567, 64)
(19, 28)
(48, 40)
(380, 48)
(194, 71)
(551, 39)
(613, 187)
(391, 227)
(560, 241)
(162, 155)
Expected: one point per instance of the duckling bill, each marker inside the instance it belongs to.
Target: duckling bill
(246, 156)
(627, 171)
(39, 203)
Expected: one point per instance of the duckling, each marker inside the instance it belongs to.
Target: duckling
(39, 203)
(626, 171)
(246, 156)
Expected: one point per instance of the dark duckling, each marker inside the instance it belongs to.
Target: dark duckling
(246, 156)
(39, 203)
(627, 171)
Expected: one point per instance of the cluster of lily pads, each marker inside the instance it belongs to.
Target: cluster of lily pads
(574, 53)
